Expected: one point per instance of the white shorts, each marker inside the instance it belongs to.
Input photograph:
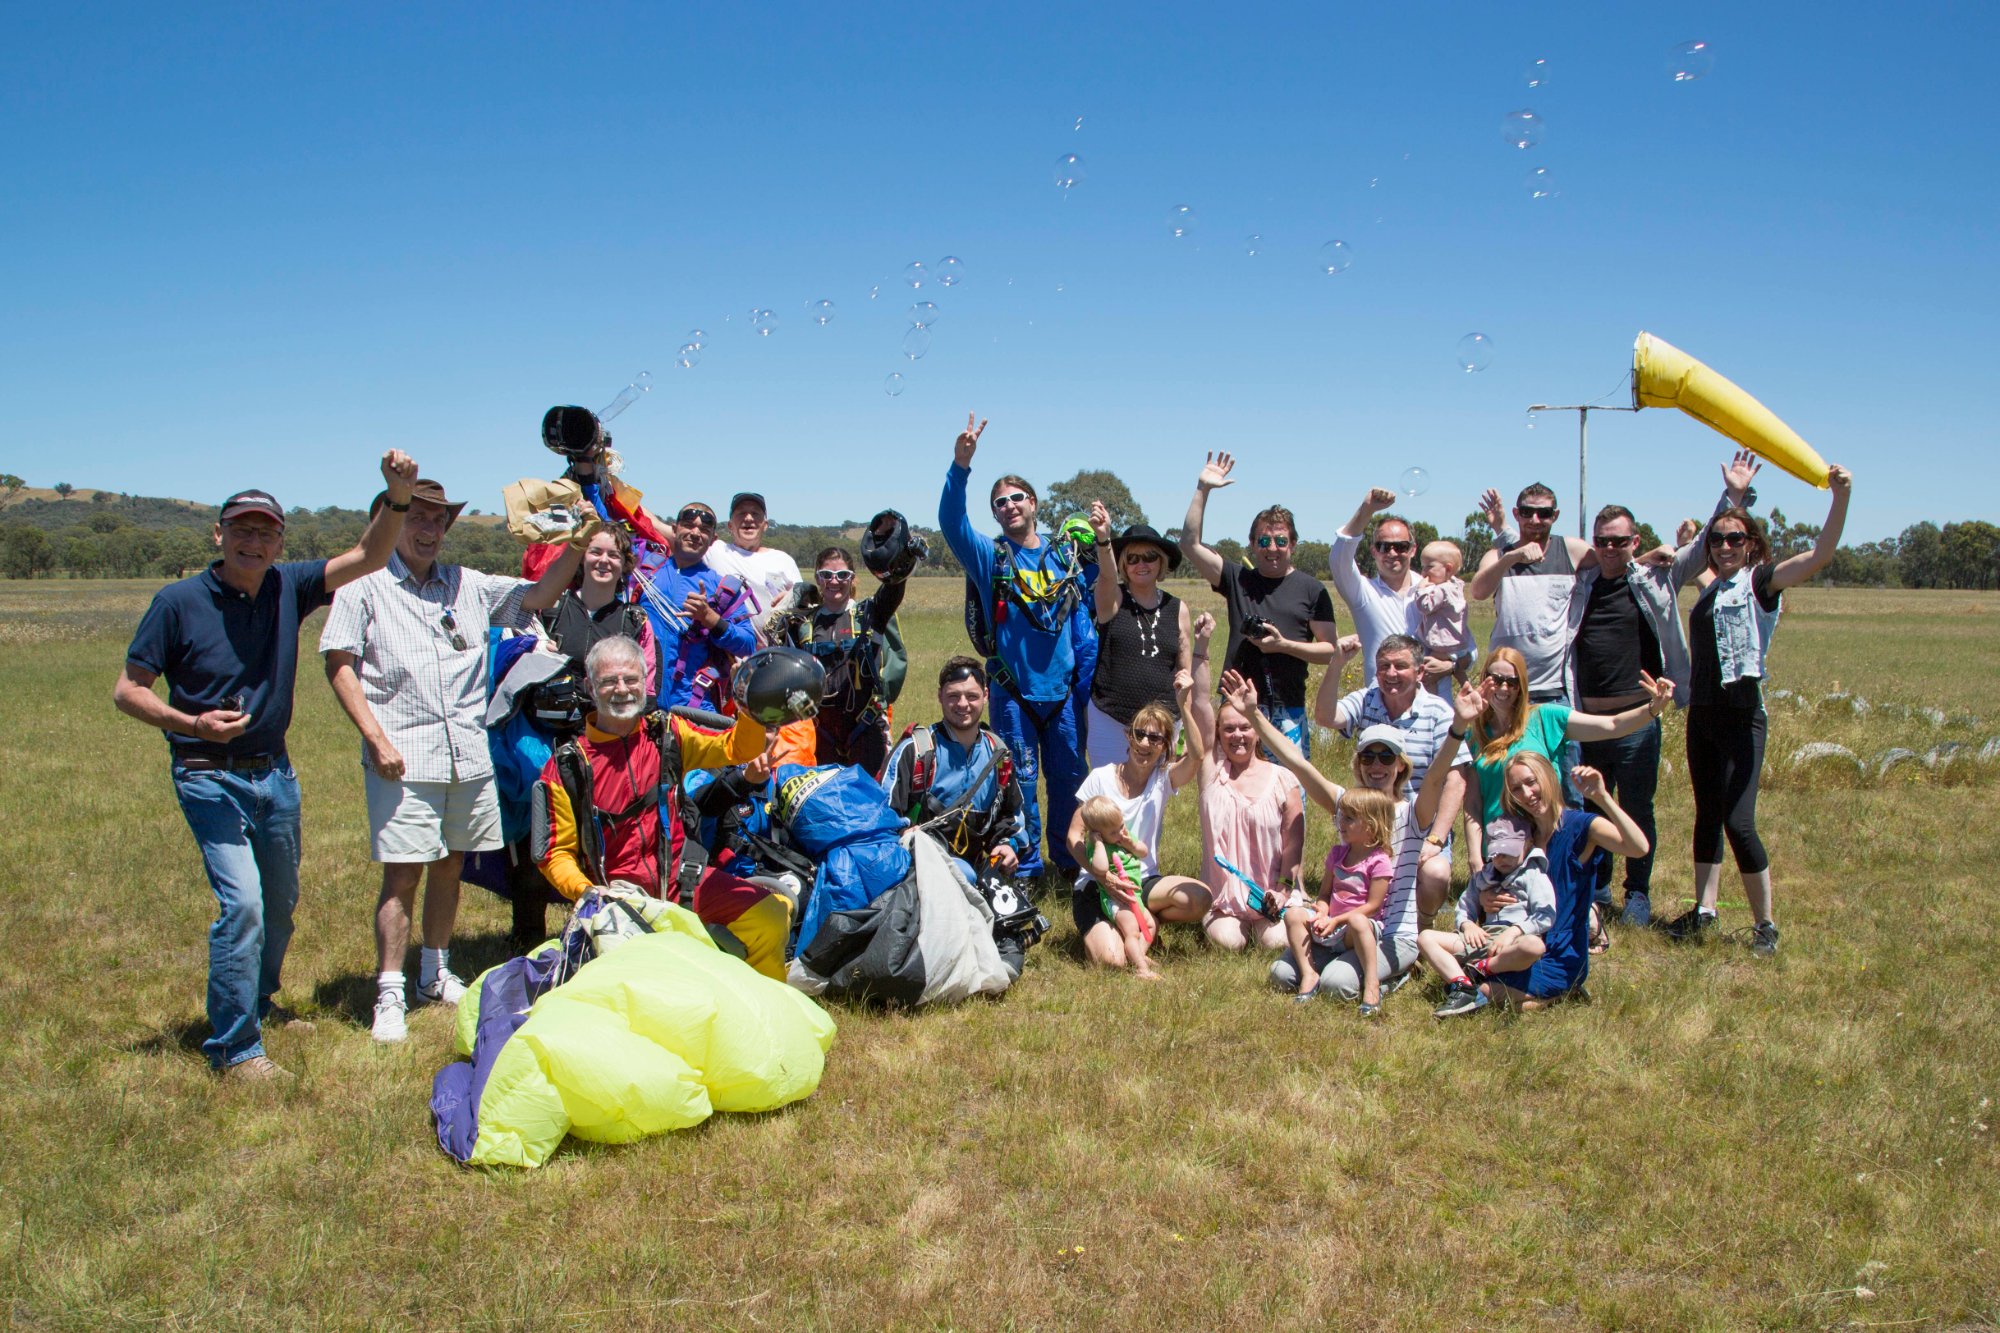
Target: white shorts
(421, 822)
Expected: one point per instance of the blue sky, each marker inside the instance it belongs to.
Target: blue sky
(259, 244)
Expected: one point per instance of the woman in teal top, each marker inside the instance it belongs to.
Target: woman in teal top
(1509, 723)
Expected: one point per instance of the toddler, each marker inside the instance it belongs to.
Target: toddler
(1509, 940)
(1441, 612)
(1117, 864)
(1348, 913)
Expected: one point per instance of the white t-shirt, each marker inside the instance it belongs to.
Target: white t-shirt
(1143, 813)
(767, 574)
(1378, 609)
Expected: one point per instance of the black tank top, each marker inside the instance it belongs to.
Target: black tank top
(1138, 652)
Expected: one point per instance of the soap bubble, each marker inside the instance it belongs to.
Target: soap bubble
(1690, 61)
(950, 271)
(922, 315)
(697, 339)
(1538, 73)
(1541, 184)
(820, 311)
(688, 357)
(1521, 129)
(630, 394)
(916, 342)
(1335, 257)
(915, 273)
(1069, 171)
(1414, 481)
(1254, 244)
(1078, 125)
(763, 321)
(1475, 352)
(1180, 220)
(895, 384)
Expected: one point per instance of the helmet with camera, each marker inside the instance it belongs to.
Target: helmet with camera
(574, 432)
(778, 685)
(890, 549)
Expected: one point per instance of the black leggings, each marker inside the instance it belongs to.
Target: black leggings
(1725, 752)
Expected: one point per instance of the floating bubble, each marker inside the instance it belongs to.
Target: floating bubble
(820, 311)
(1541, 184)
(1180, 220)
(1690, 61)
(914, 275)
(764, 321)
(1521, 129)
(922, 315)
(1538, 74)
(1335, 258)
(1414, 481)
(630, 394)
(895, 384)
(1475, 352)
(916, 341)
(688, 357)
(1069, 171)
(1531, 421)
(950, 271)
(1078, 125)
(698, 338)
(1253, 244)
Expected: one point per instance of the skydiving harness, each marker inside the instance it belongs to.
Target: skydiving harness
(970, 829)
(573, 770)
(987, 609)
(876, 659)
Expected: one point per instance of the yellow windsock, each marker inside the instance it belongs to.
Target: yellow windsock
(1665, 376)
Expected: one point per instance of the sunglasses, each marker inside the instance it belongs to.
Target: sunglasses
(1731, 539)
(1395, 548)
(1144, 558)
(1508, 681)
(1536, 511)
(1150, 737)
(1010, 498)
(835, 576)
(1267, 542)
(1615, 543)
(956, 674)
(696, 518)
(1373, 755)
(450, 625)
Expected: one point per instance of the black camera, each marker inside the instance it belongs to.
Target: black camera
(1254, 627)
(574, 432)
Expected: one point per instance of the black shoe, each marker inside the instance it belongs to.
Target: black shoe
(1460, 997)
(1690, 926)
(1764, 939)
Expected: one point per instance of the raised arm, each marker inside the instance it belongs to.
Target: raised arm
(1584, 726)
(974, 552)
(1466, 707)
(1614, 831)
(1206, 560)
(1242, 696)
(1186, 768)
(1326, 699)
(1105, 590)
(1797, 569)
(549, 588)
(1202, 706)
(378, 539)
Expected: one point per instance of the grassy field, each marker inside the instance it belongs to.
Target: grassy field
(1714, 1143)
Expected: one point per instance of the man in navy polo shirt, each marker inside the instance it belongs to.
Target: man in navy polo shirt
(227, 641)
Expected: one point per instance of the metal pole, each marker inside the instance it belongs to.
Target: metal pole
(1582, 472)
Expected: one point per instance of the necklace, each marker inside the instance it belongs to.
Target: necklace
(1149, 629)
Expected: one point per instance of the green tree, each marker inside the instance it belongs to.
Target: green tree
(65, 490)
(100, 497)
(25, 552)
(102, 522)
(1477, 540)
(1970, 555)
(1920, 556)
(12, 484)
(1074, 497)
(182, 551)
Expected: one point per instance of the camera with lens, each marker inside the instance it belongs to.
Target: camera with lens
(1254, 627)
(575, 433)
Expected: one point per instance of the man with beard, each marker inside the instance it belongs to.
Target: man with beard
(608, 806)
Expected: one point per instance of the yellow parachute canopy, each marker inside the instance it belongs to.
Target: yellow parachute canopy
(1665, 376)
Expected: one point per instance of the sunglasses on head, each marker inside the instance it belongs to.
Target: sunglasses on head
(1010, 498)
(1395, 548)
(1536, 511)
(1150, 737)
(1376, 755)
(1270, 540)
(956, 674)
(692, 517)
(1615, 543)
(1727, 538)
(835, 576)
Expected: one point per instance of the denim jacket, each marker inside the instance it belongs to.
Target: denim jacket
(1743, 628)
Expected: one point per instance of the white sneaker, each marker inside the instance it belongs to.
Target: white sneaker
(447, 989)
(390, 1017)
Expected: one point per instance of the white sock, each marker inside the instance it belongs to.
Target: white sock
(430, 963)
(389, 983)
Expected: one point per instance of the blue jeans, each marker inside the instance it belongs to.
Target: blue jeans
(1631, 768)
(1047, 740)
(247, 826)
(1290, 719)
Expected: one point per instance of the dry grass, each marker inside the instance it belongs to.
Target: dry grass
(1713, 1143)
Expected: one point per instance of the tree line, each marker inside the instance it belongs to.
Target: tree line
(129, 536)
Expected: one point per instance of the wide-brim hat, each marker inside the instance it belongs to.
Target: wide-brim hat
(424, 489)
(1143, 532)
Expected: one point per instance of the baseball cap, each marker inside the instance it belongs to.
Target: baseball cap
(1506, 836)
(252, 502)
(751, 497)
(1383, 734)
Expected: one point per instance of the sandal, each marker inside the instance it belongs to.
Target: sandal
(1600, 939)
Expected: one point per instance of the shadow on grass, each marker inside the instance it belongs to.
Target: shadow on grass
(184, 1038)
(350, 996)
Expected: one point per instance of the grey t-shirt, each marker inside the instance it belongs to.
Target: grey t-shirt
(1531, 615)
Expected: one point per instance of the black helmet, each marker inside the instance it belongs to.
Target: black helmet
(779, 685)
(559, 703)
(889, 548)
(573, 432)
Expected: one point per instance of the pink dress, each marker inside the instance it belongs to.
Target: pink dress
(1248, 829)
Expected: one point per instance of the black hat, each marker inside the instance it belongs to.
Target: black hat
(736, 502)
(1143, 532)
(252, 502)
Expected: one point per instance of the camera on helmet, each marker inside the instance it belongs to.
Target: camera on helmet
(574, 432)
(890, 549)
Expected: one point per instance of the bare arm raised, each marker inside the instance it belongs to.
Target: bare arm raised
(1206, 560)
